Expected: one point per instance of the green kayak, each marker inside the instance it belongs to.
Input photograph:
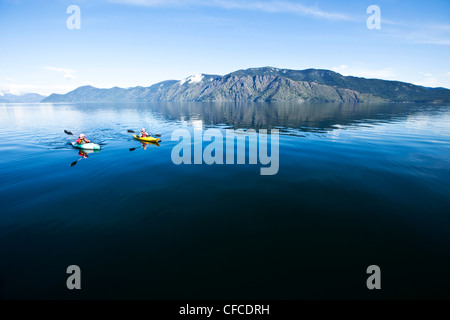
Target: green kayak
(86, 146)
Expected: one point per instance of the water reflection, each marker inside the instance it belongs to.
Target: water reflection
(290, 118)
(145, 144)
(352, 193)
(84, 154)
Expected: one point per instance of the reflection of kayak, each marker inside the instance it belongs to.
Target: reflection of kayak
(86, 146)
(146, 139)
(89, 151)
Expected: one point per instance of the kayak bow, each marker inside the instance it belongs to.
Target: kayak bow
(146, 139)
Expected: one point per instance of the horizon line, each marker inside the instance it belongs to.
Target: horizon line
(19, 92)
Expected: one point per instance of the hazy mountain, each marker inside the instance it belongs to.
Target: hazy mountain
(14, 97)
(264, 84)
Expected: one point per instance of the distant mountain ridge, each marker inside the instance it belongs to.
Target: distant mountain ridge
(9, 97)
(265, 84)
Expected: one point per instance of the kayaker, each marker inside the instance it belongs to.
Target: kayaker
(82, 139)
(143, 133)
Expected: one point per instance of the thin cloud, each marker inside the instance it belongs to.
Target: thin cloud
(433, 80)
(18, 88)
(429, 82)
(440, 27)
(155, 3)
(67, 73)
(445, 42)
(269, 7)
(282, 7)
(426, 74)
(364, 72)
(392, 22)
(421, 33)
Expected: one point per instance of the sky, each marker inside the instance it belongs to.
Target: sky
(128, 43)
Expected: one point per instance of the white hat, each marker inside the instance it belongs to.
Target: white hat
(81, 135)
(142, 129)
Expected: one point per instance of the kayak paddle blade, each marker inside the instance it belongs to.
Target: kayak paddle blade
(73, 163)
(68, 132)
(132, 149)
(130, 131)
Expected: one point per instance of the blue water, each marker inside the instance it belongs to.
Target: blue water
(357, 185)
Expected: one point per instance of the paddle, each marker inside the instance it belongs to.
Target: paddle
(156, 135)
(75, 162)
(71, 134)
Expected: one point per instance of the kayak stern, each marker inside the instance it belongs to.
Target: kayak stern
(86, 146)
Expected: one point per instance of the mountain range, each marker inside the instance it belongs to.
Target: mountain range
(263, 85)
(15, 97)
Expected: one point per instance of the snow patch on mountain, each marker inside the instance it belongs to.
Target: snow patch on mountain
(193, 79)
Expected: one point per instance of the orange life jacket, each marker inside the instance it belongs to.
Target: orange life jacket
(82, 141)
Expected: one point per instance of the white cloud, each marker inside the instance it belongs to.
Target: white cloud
(41, 89)
(9, 84)
(426, 79)
(281, 7)
(429, 82)
(67, 73)
(364, 72)
(340, 69)
(440, 27)
(426, 74)
(434, 80)
(444, 42)
(263, 6)
(422, 33)
(155, 3)
(391, 22)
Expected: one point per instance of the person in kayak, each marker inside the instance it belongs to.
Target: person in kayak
(82, 139)
(143, 134)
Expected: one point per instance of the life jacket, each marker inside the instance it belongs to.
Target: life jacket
(144, 134)
(82, 141)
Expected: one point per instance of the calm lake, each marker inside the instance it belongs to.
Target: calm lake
(357, 185)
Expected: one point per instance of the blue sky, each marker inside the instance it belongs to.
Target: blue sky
(141, 42)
